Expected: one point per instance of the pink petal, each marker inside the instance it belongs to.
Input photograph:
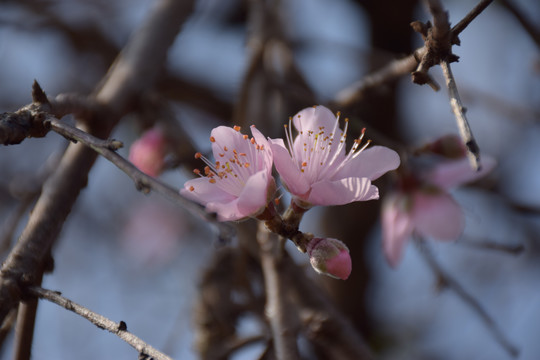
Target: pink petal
(311, 121)
(268, 156)
(450, 174)
(205, 192)
(397, 227)
(342, 191)
(340, 265)
(290, 174)
(437, 216)
(225, 136)
(254, 196)
(226, 211)
(370, 163)
(313, 118)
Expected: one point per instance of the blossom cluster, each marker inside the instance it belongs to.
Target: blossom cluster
(314, 167)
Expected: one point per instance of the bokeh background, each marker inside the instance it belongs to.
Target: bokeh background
(139, 258)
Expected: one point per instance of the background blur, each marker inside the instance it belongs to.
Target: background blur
(139, 258)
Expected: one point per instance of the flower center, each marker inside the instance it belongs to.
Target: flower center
(320, 154)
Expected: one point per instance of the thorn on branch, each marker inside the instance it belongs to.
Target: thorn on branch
(28, 121)
(38, 95)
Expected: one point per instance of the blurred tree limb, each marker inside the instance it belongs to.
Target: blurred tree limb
(134, 70)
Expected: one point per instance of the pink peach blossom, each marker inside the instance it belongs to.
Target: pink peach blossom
(239, 184)
(426, 207)
(315, 167)
(148, 152)
(330, 257)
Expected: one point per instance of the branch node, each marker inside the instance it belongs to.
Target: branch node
(122, 326)
(115, 145)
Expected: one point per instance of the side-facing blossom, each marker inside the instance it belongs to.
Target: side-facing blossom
(315, 167)
(239, 183)
(148, 152)
(422, 204)
(330, 257)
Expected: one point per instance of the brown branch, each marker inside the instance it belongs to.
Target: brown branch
(438, 40)
(27, 121)
(134, 70)
(143, 182)
(118, 329)
(460, 26)
(473, 151)
(530, 28)
(387, 73)
(449, 282)
(278, 307)
(7, 325)
(491, 245)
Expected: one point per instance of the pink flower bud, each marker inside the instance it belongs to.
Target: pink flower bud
(330, 257)
(450, 146)
(148, 152)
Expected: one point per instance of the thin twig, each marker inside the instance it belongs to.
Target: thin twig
(438, 40)
(530, 28)
(278, 308)
(387, 73)
(142, 181)
(118, 329)
(473, 151)
(24, 330)
(491, 245)
(477, 10)
(7, 325)
(450, 282)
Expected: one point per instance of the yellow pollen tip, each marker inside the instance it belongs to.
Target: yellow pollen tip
(212, 181)
(245, 137)
(198, 155)
(236, 127)
(191, 188)
(197, 171)
(212, 139)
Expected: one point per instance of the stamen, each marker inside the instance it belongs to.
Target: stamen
(236, 127)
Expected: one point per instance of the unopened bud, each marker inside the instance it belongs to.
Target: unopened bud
(148, 152)
(450, 146)
(330, 257)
